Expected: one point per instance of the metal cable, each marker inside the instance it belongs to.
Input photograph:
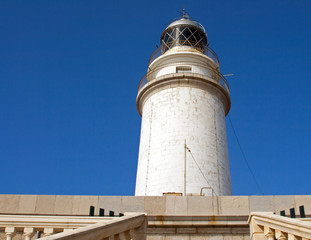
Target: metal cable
(200, 170)
(244, 157)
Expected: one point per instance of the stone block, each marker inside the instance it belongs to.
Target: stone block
(186, 230)
(234, 205)
(81, 205)
(9, 203)
(155, 205)
(110, 203)
(216, 237)
(176, 205)
(199, 205)
(237, 237)
(261, 203)
(239, 230)
(63, 205)
(132, 204)
(155, 237)
(199, 237)
(27, 204)
(283, 203)
(246, 237)
(45, 204)
(183, 237)
(228, 237)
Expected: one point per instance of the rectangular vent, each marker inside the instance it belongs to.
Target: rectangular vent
(183, 69)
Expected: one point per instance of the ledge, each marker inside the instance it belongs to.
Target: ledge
(180, 80)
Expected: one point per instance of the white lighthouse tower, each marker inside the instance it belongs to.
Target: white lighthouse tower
(183, 100)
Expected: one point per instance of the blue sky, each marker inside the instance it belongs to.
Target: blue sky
(69, 72)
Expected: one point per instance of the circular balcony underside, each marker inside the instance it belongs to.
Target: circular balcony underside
(181, 80)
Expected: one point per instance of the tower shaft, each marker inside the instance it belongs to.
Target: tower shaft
(186, 111)
(183, 98)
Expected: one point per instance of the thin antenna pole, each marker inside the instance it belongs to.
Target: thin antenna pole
(185, 168)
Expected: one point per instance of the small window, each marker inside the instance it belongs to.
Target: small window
(183, 69)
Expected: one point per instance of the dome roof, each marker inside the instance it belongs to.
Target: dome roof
(185, 20)
(184, 32)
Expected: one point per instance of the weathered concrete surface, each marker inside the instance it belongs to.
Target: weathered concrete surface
(165, 205)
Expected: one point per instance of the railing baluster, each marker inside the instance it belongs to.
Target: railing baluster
(269, 233)
(48, 231)
(292, 237)
(280, 235)
(9, 232)
(28, 232)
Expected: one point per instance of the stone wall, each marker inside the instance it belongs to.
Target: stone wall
(165, 205)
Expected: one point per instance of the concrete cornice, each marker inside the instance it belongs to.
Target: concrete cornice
(215, 220)
(185, 54)
(181, 80)
(198, 225)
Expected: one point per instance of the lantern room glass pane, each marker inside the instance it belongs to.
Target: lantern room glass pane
(187, 33)
(183, 36)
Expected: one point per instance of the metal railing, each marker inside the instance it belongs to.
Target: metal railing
(223, 82)
(206, 51)
(219, 77)
(143, 82)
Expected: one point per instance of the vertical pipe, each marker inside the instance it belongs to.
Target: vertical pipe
(185, 169)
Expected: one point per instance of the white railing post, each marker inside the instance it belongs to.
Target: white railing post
(138, 234)
(48, 231)
(28, 232)
(269, 233)
(280, 235)
(292, 237)
(124, 236)
(9, 232)
(257, 232)
(132, 233)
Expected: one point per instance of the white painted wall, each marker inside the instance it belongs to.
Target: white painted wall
(171, 116)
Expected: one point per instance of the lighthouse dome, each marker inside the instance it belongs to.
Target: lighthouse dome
(184, 32)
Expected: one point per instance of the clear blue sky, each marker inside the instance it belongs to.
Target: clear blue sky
(69, 72)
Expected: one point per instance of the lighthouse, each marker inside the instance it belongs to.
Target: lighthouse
(183, 101)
